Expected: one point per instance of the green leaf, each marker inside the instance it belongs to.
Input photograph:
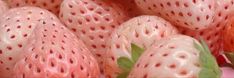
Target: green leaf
(136, 52)
(198, 46)
(209, 66)
(125, 63)
(123, 75)
(205, 73)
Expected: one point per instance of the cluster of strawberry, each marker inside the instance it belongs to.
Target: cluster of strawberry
(116, 38)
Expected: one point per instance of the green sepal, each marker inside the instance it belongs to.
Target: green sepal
(136, 52)
(209, 66)
(125, 63)
(205, 73)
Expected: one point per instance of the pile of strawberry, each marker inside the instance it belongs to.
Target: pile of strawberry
(116, 38)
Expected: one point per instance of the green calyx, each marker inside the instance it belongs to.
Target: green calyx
(126, 63)
(209, 66)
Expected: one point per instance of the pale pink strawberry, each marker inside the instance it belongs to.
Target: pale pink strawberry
(213, 34)
(92, 21)
(16, 25)
(3, 7)
(142, 31)
(55, 52)
(129, 6)
(177, 56)
(193, 14)
(51, 5)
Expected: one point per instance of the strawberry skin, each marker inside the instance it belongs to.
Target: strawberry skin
(142, 31)
(51, 5)
(55, 52)
(16, 25)
(192, 14)
(228, 34)
(92, 21)
(130, 7)
(3, 7)
(173, 57)
(213, 34)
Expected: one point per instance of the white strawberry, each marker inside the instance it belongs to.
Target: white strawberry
(16, 25)
(177, 56)
(92, 21)
(193, 14)
(55, 52)
(213, 34)
(143, 31)
(51, 5)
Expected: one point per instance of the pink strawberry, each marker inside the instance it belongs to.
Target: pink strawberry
(177, 56)
(129, 6)
(3, 7)
(213, 34)
(228, 36)
(16, 25)
(192, 14)
(141, 30)
(92, 21)
(51, 5)
(55, 52)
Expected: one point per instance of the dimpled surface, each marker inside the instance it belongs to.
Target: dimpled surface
(142, 31)
(51, 5)
(229, 37)
(192, 14)
(55, 52)
(16, 25)
(173, 57)
(213, 35)
(92, 21)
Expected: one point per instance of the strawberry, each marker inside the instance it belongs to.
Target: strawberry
(228, 37)
(92, 21)
(213, 34)
(130, 7)
(51, 5)
(55, 52)
(3, 7)
(143, 31)
(177, 56)
(193, 14)
(16, 25)
(228, 34)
